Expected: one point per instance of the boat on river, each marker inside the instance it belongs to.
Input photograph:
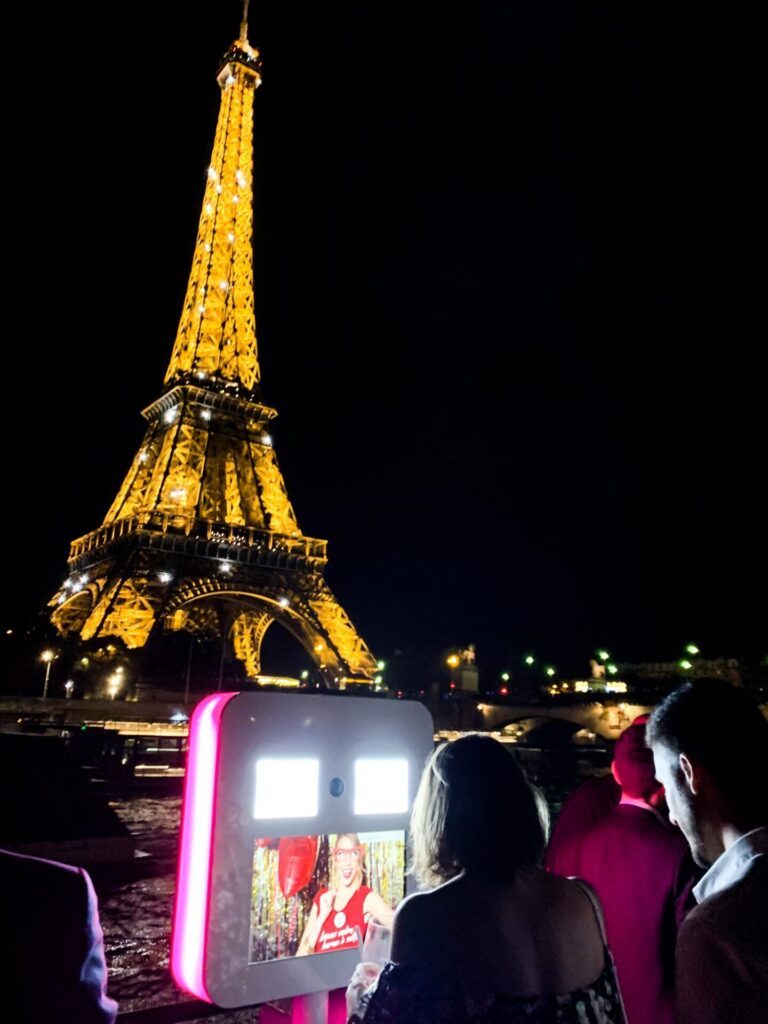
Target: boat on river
(52, 809)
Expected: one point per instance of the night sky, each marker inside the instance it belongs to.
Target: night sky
(507, 304)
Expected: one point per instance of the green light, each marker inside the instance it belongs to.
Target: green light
(377, 680)
(381, 665)
(505, 676)
(685, 664)
(529, 659)
(550, 671)
(691, 649)
(305, 674)
(603, 655)
(612, 670)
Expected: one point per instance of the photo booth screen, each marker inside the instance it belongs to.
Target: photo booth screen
(316, 894)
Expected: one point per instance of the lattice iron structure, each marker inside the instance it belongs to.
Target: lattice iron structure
(202, 536)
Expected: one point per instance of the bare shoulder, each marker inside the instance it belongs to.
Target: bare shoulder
(416, 919)
(570, 893)
(414, 909)
(576, 907)
(571, 930)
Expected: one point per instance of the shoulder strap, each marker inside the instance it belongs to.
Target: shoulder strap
(591, 895)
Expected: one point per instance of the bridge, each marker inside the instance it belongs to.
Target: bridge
(465, 713)
(603, 719)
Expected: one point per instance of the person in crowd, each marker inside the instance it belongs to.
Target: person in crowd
(494, 938)
(341, 912)
(52, 968)
(710, 747)
(639, 865)
(582, 809)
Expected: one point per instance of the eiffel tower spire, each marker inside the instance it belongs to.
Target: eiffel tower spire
(244, 23)
(216, 338)
(201, 535)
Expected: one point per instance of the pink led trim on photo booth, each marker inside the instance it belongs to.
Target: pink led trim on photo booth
(193, 881)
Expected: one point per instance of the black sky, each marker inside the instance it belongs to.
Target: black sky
(507, 303)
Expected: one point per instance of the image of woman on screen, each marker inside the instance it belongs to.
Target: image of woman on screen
(347, 906)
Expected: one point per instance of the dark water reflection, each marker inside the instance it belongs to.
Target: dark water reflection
(136, 905)
(136, 902)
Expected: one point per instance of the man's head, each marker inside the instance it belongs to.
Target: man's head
(710, 749)
(633, 763)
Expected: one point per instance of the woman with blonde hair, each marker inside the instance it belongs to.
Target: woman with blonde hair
(493, 939)
(345, 908)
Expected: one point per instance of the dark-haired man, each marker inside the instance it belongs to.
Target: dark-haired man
(639, 867)
(710, 747)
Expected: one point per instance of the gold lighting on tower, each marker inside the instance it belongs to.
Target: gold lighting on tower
(201, 535)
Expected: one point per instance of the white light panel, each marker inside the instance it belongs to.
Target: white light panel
(286, 787)
(381, 786)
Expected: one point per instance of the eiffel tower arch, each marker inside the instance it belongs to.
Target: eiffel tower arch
(201, 535)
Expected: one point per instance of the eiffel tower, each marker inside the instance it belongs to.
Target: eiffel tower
(202, 536)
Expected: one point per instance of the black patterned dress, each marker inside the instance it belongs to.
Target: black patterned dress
(405, 995)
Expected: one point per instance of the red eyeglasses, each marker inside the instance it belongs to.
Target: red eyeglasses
(353, 853)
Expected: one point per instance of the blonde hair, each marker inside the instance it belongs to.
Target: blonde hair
(476, 811)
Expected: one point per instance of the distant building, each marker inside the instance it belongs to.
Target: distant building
(648, 679)
(709, 668)
(596, 686)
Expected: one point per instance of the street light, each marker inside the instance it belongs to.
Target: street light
(453, 661)
(69, 687)
(692, 649)
(529, 659)
(113, 683)
(47, 656)
(550, 671)
(602, 654)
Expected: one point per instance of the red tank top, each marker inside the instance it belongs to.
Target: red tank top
(338, 931)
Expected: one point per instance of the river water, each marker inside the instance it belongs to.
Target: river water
(136, 901)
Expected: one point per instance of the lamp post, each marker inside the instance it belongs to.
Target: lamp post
(47, 657)
(189, 667)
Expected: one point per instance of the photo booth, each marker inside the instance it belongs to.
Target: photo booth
(283, 792)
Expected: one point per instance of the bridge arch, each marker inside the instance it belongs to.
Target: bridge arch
(605, 719)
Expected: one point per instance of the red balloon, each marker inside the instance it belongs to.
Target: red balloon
(296, 856)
